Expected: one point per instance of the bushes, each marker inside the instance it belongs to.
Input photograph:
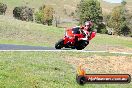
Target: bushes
(120, 20)
(103, 31)
(3, 8)
(39, 17)
(102, 28)
(23, 13)
(44, 15)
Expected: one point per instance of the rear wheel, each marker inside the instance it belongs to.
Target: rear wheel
(59, 44)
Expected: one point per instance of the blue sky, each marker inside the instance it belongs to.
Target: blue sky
(113, 1)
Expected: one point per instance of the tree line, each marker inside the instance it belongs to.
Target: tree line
(119, 21)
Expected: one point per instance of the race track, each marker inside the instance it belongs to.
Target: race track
(12, 47)
(23, 47)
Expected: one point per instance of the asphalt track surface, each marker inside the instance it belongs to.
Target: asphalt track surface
(23, 47)
(12, 47)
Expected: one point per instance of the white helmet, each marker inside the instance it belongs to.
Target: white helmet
(88, 23)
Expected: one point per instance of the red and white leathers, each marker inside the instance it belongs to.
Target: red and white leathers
(85, 32)
(86, 29)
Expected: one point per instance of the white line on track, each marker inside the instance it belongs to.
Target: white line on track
(126, 53)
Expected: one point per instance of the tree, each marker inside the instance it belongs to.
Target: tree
(123, 2)
(44, 15)
(3, 8)
(89, 9)
(48, 15)
(118, 20)
(23, 13)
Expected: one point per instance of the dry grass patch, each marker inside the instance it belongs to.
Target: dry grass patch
(103, 64)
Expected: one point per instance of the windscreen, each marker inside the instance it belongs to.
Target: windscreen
(76, 30)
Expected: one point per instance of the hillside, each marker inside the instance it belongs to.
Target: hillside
(59, 5)
(20, 32)
(107, 7)
(14, 31)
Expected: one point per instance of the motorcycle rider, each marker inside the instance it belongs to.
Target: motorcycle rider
(86, 29)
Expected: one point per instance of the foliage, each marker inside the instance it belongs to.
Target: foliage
(3, 8)
(23, 13)
(119, 20)
(102, 28)
(39, 17)
(89, 9)
(45, 15)
(123, 2)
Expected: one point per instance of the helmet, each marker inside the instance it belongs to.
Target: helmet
(88, 23)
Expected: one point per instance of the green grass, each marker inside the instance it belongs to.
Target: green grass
(103, 40)
(28, 33)
(43, 70)
(17, 32)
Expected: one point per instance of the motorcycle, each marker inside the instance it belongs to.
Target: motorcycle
(75, 39)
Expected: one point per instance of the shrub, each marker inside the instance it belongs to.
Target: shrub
(39, 17)
(102, 28)
(23, 13)
(44, 15)
(130, 35)
(103, 31)
(3, 8)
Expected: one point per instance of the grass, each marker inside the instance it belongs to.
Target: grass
(18, 32)
(66, 25)
(43, 70)
(58, 5)
(104, 41)
(28, 33)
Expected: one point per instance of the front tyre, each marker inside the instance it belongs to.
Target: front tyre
(82, 44)
(59, 44)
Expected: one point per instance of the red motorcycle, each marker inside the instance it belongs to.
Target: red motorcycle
(74, 38)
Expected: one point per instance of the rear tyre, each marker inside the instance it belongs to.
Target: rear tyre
(59, 44)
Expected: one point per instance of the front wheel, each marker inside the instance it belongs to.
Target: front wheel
(59, 44)
(82, 45)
